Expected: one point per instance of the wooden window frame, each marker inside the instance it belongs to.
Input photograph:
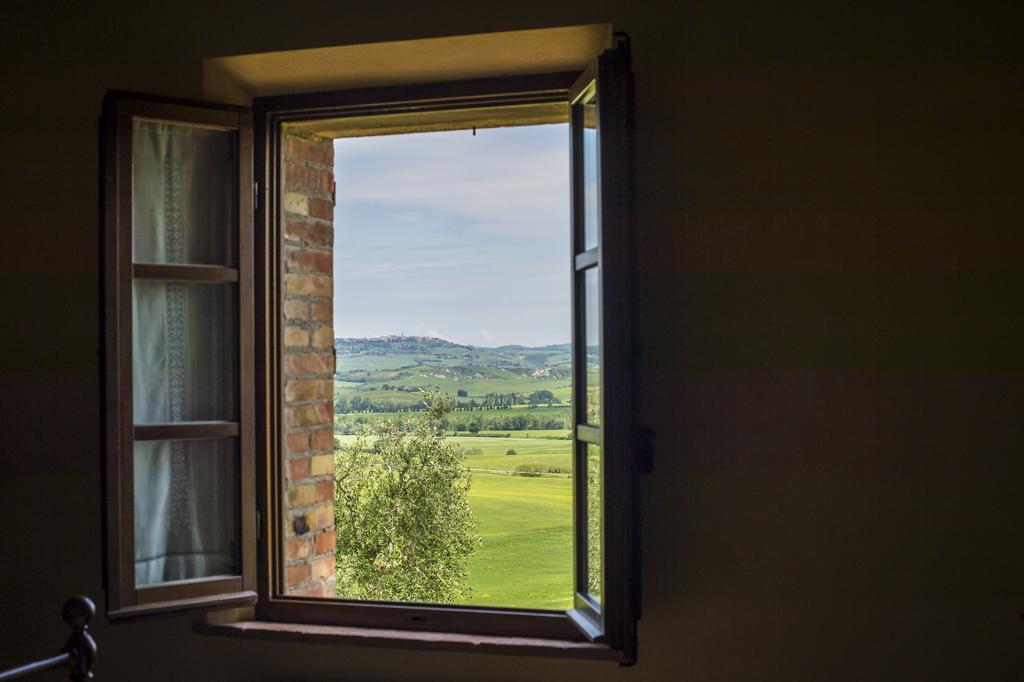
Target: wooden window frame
(613, 619)
(126, 600)
(260, 276)
(270, 114)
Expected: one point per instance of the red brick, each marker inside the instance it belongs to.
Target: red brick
(303, 415)
(308, 389)
(309, 232)
(308, 285)
(295, 203)
(301, 364)
(321, 208)
(322, 439)
(323, 337)
(296, 310)
(321, 312)
(324, 590)
(294, 575)
(325, 490)
(317, 261)
(323, 517)
(321, 465)
(296, 337)
(323, 568)
(298, 468)
(296, 443)
(317, 151)
(324, 543)
(304, 177)
(308, 415)
(301, 496)
(297, 549)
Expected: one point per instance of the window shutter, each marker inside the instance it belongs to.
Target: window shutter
(177, 355)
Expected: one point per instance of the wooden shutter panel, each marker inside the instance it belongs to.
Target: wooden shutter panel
(178, 417)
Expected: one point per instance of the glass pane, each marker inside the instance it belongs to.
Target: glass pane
(184, 194)
(184, 351)
(594, 578)
(590, 212)
(592, 338)
(186, 509)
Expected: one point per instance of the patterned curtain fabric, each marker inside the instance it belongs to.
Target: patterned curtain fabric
(184, 353)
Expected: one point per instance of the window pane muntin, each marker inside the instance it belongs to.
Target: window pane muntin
(184, 193)
(186, 509)
(185, 352)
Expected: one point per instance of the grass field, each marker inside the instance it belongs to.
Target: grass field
(490, 453)
(493, 380)
(526, 557)
(530, 433)
(525, 522)
(560, 411)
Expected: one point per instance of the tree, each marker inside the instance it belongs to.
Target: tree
(405, 531)
(594, 496)
(543, 396)
(462, 393)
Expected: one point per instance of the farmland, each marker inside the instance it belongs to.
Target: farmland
(394, 368)
(518, 454)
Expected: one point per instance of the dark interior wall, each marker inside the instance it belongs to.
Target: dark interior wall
(830, 321)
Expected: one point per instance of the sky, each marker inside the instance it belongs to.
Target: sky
(453, 235)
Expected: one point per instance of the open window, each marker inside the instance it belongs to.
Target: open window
(200, 420)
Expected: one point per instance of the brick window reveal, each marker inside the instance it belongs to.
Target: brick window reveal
(309, 365)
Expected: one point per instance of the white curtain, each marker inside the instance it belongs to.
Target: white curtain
(184, 354)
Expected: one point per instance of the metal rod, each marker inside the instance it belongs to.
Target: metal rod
(37, 667)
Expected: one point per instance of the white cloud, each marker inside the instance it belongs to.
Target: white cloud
(471, 233)
(490, 183)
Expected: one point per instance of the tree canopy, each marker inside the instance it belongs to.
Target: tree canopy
(405, 531)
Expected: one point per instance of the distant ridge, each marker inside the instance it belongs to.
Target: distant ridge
(412, 344)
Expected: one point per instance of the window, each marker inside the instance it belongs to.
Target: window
(179, 428)
(198, 415)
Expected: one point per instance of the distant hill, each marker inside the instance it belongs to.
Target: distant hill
(366, 354)
(394, 368)
(393, 344)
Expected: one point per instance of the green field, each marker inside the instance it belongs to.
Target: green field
(525, 522)
(365, 366)
(492, 380)
(525, 559)
(490, 453)
(562, 412)
(558, 434)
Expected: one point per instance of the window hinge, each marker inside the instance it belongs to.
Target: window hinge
(255, 196)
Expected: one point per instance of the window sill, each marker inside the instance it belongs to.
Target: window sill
(405, 639)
